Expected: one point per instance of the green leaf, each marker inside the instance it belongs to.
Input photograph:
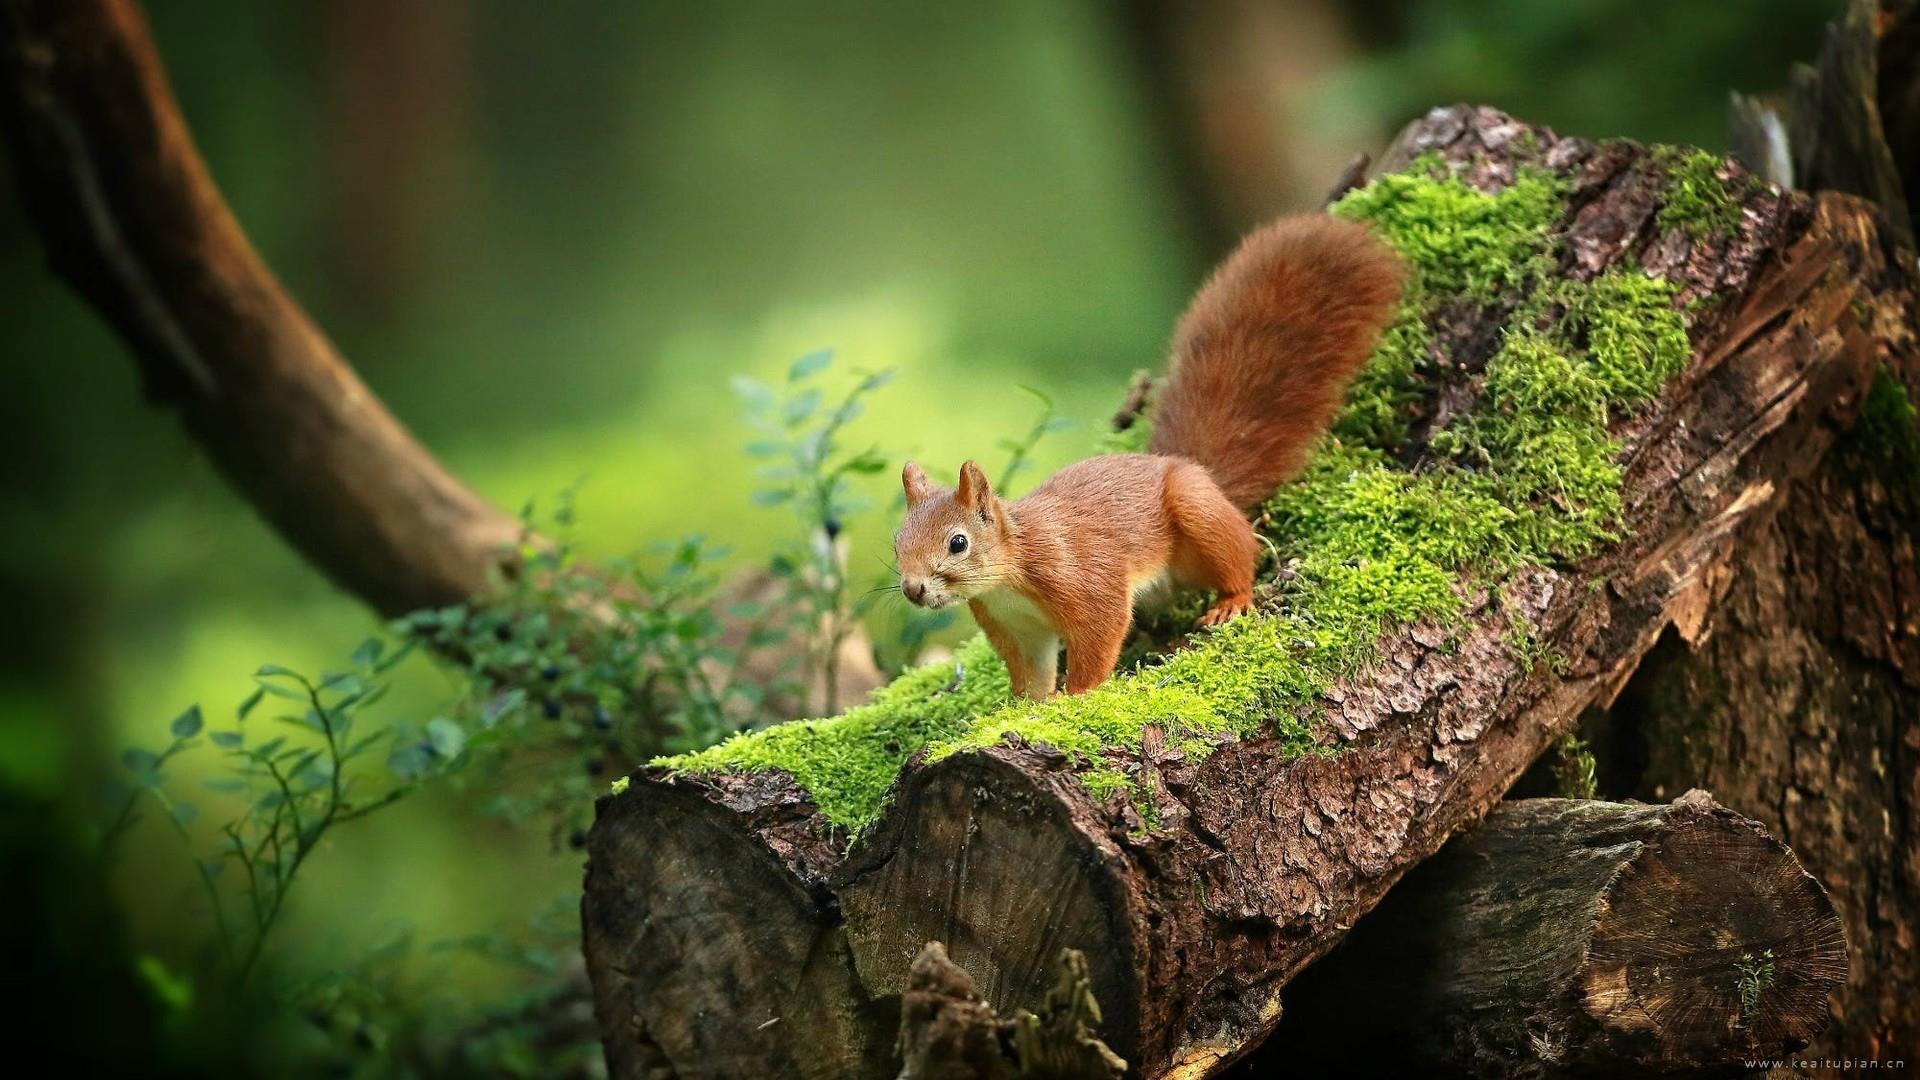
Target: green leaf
(139, 760)
(393, 658)
(253, 699)
(268, 671)
(757, 395)
(869, 462)
(314, 773)
(876, 380)
(188, 724)
(360, 746)
(764, 448)
(409, 761)
(344, 683)
(810, 365)
(800, 407)
(226, 784)
(226, 740)
(500, 705)
(771, 496)
(287, 692)
(447, 737)
(184, 812)
(368, 654)
(174, 992)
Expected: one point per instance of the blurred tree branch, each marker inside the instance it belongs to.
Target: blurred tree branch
(132, 220)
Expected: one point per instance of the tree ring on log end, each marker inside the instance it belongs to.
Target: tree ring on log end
(716, 975)
(1695, 965)
(998, 854)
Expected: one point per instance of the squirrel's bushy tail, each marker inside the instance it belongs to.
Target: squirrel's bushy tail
(1263, 356)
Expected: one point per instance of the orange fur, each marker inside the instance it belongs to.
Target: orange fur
(1261, 361)
(1264, 354)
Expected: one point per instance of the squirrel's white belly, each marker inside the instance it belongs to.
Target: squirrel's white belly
(1011, 609)
(1152, 589)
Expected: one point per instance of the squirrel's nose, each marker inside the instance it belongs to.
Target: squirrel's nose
(916, 590)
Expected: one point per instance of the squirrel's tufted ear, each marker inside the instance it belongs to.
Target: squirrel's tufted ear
(914, 480)
(974, 492)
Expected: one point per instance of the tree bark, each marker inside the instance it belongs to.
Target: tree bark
(1257, 860)
(1799, 700)
(1565, 937)
(1797, 697)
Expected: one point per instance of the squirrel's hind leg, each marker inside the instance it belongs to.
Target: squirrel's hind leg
(1213, 546)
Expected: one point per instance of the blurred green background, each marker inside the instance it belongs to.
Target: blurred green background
(548, 234)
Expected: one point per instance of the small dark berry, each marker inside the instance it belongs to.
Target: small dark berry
(595, 766)
(578, 839)
(503, 632)
(551, 707)
(550, 672)
(832, 525)
(601, 719)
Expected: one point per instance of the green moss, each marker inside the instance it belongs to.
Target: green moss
(1697, 200)
(1463, 241)
(1888, 429)
(1575, 772)
(1753, 977)
(846, 763)
(1525, 477)
(1388, 391)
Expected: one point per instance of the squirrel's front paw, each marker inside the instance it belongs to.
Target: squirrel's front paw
(1226, 608)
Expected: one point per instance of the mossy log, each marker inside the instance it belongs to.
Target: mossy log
(1463, 570)
(1563, 936)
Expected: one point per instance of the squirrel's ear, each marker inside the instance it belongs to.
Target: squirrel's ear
(914, 480)
(974, 492)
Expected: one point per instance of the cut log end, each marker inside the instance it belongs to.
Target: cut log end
(737, 973)
(949, 1032)
(1001, 873)
(1563, 936)
(1712, 945)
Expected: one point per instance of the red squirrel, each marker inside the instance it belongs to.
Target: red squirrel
(1261, 362)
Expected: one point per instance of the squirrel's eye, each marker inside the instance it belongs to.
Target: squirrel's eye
(958, 544)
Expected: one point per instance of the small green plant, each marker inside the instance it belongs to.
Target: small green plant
(810, 471)
(287, 779)
(1574, 772)
(1754, 977)
(1020, 449)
